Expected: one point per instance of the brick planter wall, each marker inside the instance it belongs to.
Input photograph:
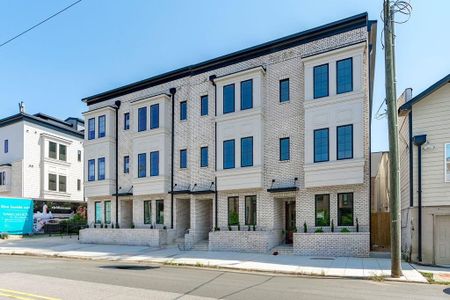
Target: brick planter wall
(244, 241)
(136, 237)
(332, 244)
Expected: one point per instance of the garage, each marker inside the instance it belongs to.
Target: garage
(442, 240)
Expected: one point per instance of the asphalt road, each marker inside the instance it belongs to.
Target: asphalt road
(35, 278)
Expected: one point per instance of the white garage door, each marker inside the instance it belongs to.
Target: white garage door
(442, 240)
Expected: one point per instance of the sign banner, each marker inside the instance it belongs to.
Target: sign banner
(16, 215)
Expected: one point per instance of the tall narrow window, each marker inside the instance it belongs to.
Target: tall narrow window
(344, 142)
(247, 152)
(246, 94)
(344, 76)
(320, 81)
(203, 156)
(63, 152)
(62, 183)
(228, 154)
(107, 205)
(101, 126)
(250, 210)
(228, 98)
(101, 168)
(52, 150)
(91, 170)
(126, 164)
(204, 106)
(183, 110)
(78, 184)
(52, 182)
(142, 119)
(142, 165)
(284, 90)
(183, 158)
(147, 212)
(126, 121)
(233, 210)
(159, 211)
(345, 209)
(98, 212)
(154, 116)
(284, 149)
(321, 147)
(79, 155)
(154, 163)
(6, 146)
(91, 129)
(322, 210)
(3, 178)
(447, 162)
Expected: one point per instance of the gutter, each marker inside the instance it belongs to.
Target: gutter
(172, 92)
(212, 78)
(419, 140)
(117, 106)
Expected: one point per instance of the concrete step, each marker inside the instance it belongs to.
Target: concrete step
(201, 246)
(283, 250)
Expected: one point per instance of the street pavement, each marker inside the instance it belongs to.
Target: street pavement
(33, 278)
(349, 267)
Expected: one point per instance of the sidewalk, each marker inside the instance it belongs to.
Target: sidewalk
(350, 267)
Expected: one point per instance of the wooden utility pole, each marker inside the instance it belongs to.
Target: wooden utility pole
(391, 103)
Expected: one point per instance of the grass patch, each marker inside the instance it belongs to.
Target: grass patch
(377, 278)
(430, 279)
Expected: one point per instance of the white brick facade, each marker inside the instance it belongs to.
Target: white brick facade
(267, 121)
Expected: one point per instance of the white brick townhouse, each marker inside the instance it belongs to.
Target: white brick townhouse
(244, 152)
(41, 157)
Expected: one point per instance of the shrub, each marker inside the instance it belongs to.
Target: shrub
(345, 230)
(318, 230)
(4, 235)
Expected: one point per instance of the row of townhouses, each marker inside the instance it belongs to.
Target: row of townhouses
(269, 145)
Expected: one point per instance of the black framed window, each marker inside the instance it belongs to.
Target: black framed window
(183, 159)
(344, 75)
(78, 184)
(52, 149)
(91, 129)
(148, 212)
(154, 116)
(204, 105)
(98, 212)
(62, 183)
(142, 165)
(228, 99)
(322, 210)
(233, 210)
(91, 170)
(284, 149)
(107, 207)
(228, 154)
(142, 119)
(159, 211)
(52, 182)
(345, 209)
(246, 94)
(101, 168)
(183, 110)
(320, 81)
(203, 156)
(321, 145)
(284, 90)
(79, 155)
(247, 151)
(126, 164)
(250, 210)
(6, 146)
(344, 142)
(126, 121)
(154, 163)
(63, 152)
(101, 126)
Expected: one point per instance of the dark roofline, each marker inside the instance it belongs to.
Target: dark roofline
(75, 118)
(343, 25)
(37, 119)
(437, 85)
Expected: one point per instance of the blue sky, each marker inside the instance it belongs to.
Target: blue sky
(98, 45)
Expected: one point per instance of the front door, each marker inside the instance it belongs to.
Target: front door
(290, 221)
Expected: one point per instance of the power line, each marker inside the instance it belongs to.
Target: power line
(40, 23)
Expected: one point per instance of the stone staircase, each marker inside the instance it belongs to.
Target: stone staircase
(201, 246)
(283, 250)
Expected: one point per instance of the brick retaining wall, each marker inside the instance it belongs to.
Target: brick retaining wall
(244, 241)
(136, 237)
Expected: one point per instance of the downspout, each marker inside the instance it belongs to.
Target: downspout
(419, 140)
(117, 103)
(172, 150)
(212, 78)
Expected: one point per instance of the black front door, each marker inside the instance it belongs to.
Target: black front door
(290, 221)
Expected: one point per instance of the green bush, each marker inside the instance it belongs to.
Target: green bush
(319, 230)
(345, 230)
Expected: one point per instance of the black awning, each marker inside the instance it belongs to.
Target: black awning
(123, 194)
(203, 192)
(180, 192)
(283, 189)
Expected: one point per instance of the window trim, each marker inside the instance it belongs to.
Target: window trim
(315, 210)
(201, 157)
(288, 90)
(56, 150)
(337, 142)
(102, 117)
(56, 182)
(65, 183)
(223, 99)
(234, 154)
(328, 81)
(351, 74)
(289, 148)
(252, 163)
(314, 145)
(251, 98)
(61, 146)
(353, 209)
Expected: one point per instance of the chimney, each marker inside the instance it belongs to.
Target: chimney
(21, 107)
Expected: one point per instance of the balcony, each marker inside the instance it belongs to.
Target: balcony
(100, 188)
(240, 178)
(331, 173)
(151, 185)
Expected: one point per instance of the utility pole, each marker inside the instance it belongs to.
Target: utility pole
(391, 103)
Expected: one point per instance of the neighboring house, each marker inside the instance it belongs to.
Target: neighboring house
(424, 143)
(41, 158)
(379, 175)
(242, 152)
